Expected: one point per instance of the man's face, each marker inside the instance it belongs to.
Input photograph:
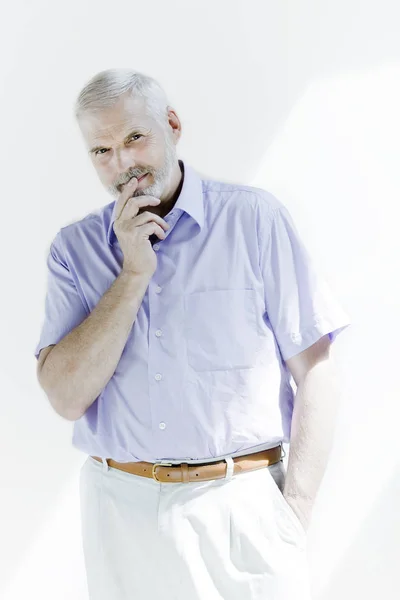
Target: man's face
(124, 142)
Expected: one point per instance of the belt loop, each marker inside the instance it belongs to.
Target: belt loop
(105, 464)
(282, 450)
(229, 467)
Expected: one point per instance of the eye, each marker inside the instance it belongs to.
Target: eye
(103, 150)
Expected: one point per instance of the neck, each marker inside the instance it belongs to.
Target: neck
(168, 205)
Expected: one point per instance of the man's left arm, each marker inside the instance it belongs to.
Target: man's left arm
(313, 425)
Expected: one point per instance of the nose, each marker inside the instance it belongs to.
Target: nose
(125, 160)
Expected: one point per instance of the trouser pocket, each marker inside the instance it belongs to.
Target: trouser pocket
(277, 476)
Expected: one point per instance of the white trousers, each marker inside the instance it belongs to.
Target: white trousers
(234, 538)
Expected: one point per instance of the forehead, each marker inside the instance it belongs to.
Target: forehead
(115, 122)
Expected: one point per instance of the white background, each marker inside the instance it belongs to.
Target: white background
(300, 98)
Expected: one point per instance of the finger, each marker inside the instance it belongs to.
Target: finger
(153, 229)
(133, 205)
(127, 191)
(146, 217)
(129, 187)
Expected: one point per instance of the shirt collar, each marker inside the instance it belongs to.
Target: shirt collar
(190, 200)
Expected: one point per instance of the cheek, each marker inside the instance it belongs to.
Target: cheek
(152, 149)
(105, 174)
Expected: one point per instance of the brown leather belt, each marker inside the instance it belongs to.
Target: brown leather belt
(185, 472)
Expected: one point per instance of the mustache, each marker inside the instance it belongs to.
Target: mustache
(127, 177)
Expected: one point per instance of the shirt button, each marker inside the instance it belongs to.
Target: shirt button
(158, 289)
(162, 425)
(158, 376)
(158, 332)
(156, 247)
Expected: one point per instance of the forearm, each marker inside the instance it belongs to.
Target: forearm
(312, 432)
(78, 368)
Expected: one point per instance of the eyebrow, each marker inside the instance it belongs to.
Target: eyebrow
(133, 132)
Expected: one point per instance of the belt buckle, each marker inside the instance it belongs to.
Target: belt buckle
(158, 464)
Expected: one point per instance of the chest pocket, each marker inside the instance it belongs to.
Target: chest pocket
(221, 329)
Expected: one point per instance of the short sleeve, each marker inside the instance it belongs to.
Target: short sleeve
(300, 306)
(64, 309)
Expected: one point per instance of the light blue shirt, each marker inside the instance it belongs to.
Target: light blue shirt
(234, 295)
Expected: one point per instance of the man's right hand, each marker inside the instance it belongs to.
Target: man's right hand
(133, 230)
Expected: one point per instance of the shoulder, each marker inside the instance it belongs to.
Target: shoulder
(258, 198)
(90, 228)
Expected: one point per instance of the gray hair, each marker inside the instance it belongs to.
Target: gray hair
(104, 89)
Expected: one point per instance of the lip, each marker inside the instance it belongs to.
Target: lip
(139, 180)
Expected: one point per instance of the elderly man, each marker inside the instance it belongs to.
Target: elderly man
(175, 317)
